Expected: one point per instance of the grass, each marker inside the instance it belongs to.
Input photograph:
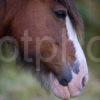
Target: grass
(19, 85)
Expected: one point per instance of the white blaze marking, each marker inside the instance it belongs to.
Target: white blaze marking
(73, 37)
(80, 57)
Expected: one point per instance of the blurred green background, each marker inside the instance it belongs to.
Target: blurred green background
(18, 85)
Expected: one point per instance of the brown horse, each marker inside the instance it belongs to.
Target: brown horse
(46, 32)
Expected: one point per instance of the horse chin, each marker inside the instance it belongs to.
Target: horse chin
(57, 89)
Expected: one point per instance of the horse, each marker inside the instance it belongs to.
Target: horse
(48, 33)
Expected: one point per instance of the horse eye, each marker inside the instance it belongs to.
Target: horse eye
(61, 14)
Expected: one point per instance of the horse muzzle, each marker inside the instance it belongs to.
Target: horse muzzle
(71, 82)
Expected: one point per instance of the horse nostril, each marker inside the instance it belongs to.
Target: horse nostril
(65, 78)
(83, 82)
(64, 82)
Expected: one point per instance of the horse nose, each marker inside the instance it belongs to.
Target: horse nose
(65, 78)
